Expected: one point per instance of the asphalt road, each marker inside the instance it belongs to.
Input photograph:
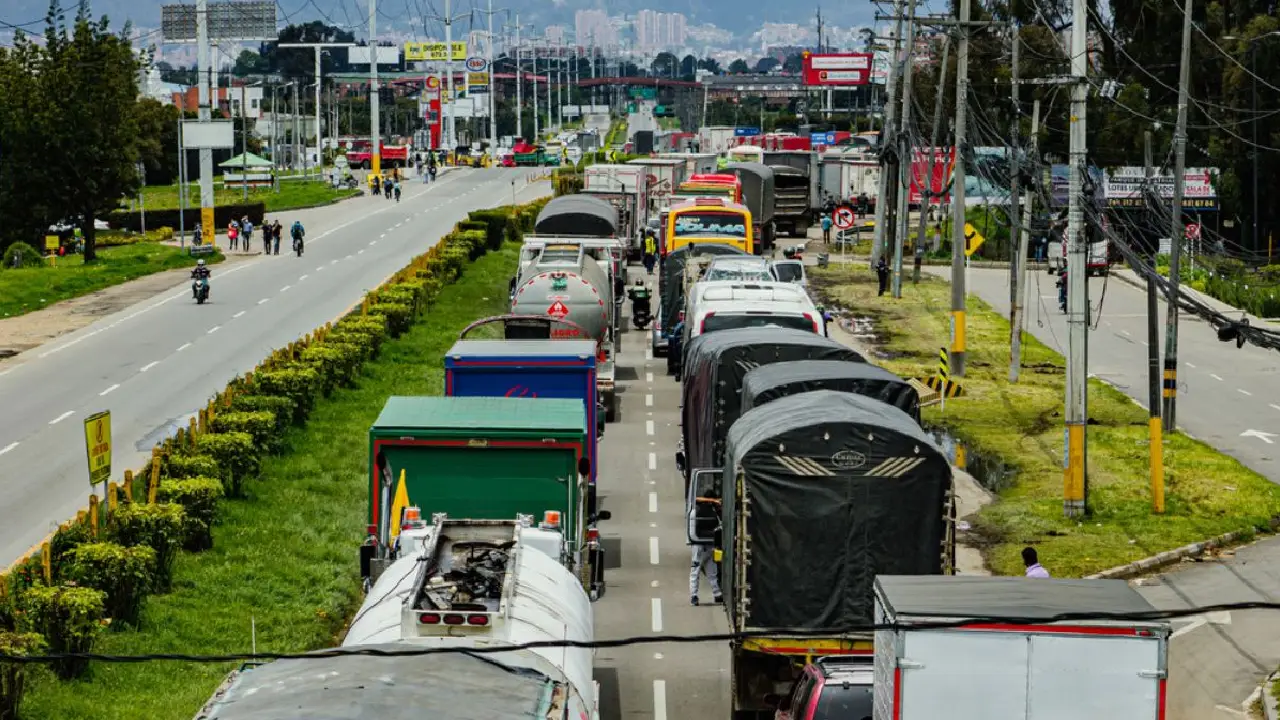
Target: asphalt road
(649, 594)
(641, 120)
(155, 364)
(1228, 398)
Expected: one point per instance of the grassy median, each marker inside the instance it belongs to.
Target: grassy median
(25, 290)
(1020, 426)
(286, 559)
(293, 195)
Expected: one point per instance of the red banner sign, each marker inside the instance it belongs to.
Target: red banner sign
(836, 70)
(933, 167)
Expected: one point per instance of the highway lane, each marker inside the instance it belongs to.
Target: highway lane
(154, 364)
(649, 593)
(1228, 398)
(1215, 663)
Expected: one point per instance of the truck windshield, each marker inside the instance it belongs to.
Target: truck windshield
(724, 321)
(737, 274)
(844, 702)
(789, 272)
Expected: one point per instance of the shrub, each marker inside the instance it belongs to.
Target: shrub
(299, 384)
(330, 363)
(64, 541)
(13, 676)
(222, 215)
(159, 527)
(123, 573)
(22, 255)
(199, 500)
(69, 618)
(474, 241)
(235, 453)
(399, 316)
(372, 326)
(351, 341)
(455, 258)
(189, 466)
(281, 409)
(261, 426)
(401, 295)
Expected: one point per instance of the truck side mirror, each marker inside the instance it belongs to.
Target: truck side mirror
(680, 460)
(584, 466)
(604, 515)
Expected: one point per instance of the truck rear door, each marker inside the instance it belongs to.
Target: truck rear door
(1094, 676)
(964, 675)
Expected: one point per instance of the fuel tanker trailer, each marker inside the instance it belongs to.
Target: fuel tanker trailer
(566, 283)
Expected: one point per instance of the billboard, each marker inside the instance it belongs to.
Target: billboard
(1123, 187)
(433, 51)
(387, 56)
(935, 166)
(836, 70)
(238, 20)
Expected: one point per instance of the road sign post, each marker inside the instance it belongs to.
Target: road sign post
(97, 442)
(843, 217)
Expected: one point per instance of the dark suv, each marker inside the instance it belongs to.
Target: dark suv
(832, 688)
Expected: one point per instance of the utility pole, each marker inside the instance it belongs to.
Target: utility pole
(319, 48)
(533, 50)
(1015, 215)
(297, 131)
(1018, 317)
(451, 132)
(958, 204)
(1075, 480)
(1155, 429)
(551, 113)
(1176, 232)
(888, 170)
(519, 84)
(904, 153)
(493, 113)
(205, 114)
(375, 120)
(244, 145)
(926, 199)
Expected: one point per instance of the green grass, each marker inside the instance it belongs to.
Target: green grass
(668, 123)
(294, 194)
(30, 289)
(286, 558)
(1021, 426)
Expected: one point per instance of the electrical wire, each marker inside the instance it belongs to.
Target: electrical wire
(1148, 616)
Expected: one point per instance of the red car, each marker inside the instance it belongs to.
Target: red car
(832, 688)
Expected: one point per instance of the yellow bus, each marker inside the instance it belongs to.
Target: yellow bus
(708, 220)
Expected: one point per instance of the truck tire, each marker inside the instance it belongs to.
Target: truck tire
(367, 164)
(611, 409)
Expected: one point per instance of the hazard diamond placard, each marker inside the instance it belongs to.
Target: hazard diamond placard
(558, 310)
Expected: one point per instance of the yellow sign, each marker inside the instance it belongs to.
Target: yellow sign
(433, 51)
(50, 242)
(97, 441)
(972, 239)
(477, 78)
(206, 225)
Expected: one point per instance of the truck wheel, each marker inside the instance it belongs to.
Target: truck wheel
(611, 409)
(367, 164)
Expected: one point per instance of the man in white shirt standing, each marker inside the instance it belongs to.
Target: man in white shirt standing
(1032, 561)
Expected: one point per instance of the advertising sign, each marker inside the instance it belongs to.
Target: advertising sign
(936, 167)
(478, 82)
(1123, 188)
(477, 64)
(433, 51)
(835, 70)
(746, 131)
(822, 138)
(710, 223)
(1058, 183)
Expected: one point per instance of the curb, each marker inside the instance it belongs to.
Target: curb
(1169, 557)
(1268, 699)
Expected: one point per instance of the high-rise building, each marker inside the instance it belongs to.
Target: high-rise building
(657, 31)
(592, 27)
(555, 34)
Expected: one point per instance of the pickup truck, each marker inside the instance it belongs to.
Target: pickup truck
(361, 155)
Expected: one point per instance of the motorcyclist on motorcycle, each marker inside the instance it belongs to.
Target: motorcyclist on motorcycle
(640, 297)
(199, 275)
(298, 233)
(397, 190)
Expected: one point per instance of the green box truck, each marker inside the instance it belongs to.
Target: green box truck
(482, 458)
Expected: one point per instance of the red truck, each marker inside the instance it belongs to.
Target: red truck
(360, 155)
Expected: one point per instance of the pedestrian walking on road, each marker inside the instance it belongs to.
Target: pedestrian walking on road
(266, 237)
(882, 274)
(246, 232)
(233, 234)
(705, 525)
(650, 255)
(276, 230)
(1032, 561)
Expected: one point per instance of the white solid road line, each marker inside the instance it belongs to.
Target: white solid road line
(659, 700)
(242, 312)
(62, 417)
(8, 447)
(657, 615)
(648, 401)
(653, 502)
(184, 347)
(653, 461)
(108, 390)
(213, 329)
(648, 427)
(653, 551)
(1243, 392)
(149, 365)
(648, 377)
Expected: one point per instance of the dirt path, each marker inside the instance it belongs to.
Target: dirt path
(24, 332)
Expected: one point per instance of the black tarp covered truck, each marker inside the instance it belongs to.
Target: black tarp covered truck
(795, 182)
(771, 382)
(716, 364)
(758, 195)
(822, 491)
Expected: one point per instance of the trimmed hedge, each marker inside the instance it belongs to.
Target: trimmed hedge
(222, 216)
(215, 457)
(13, 676)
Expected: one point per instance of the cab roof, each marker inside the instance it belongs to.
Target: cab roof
(487, 413)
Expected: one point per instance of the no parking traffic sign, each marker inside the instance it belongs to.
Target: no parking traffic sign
(843, 217)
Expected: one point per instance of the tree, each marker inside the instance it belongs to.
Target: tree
(250, 63)
(87, 78)
(739, 67)
(688, 68)
(710, 65)
(794, 64)
(301, 62)
(665, 65)
(26, 200)
(158, 140)
(766, 65)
